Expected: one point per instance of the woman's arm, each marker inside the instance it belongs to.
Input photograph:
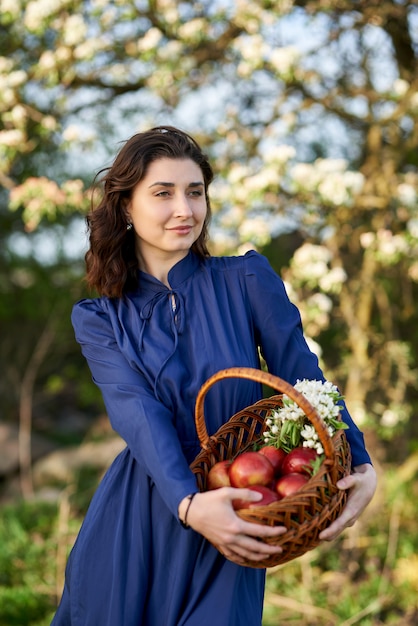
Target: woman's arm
(279, 332)
(141, 420)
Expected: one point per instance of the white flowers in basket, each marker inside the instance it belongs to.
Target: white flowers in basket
(288, 426)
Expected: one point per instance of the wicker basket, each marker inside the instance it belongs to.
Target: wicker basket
(311, 509)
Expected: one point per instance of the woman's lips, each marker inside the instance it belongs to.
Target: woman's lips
(181, 230)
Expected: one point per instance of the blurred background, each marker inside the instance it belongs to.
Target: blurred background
(308, 110)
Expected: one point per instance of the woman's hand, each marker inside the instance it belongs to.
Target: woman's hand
(212, 515)
(362, 484)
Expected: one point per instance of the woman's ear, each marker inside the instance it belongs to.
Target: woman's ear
(126, 210)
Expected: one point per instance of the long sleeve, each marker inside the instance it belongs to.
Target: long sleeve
(141, 420)
(279, 331)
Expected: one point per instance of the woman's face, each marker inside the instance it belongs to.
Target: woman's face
(167, 210)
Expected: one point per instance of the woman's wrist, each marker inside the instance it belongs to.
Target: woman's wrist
(183, 510)
(363, 468)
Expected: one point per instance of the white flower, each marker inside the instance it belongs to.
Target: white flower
(407, 194)
(49, 123)
(389, 418)
(47, 60)
(390, 245)
(288, 426)
(400, 87)
(309, 444)
(150, 40)
(11, 138)
(281, 153)
(88, 48)
(367, 239)
(412, 227)
(332, 189)
(75, 30)
(72, 133)
(310, 253)
(10, 6)
(308, 432)
(328, 166)
(18, 114)
(192, 29)
(256, 230)
(38, 10)
(305, 175)
(354, 181)
(321, 302)
(284, 59)
(331, 281)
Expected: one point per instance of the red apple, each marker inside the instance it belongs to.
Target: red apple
(286, 485)
(251, 468)
(299, 460)
(276, 457)
(218, 475)
(269, 496)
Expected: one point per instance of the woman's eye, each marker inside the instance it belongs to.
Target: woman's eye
(196, 193)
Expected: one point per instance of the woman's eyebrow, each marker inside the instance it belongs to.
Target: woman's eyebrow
(166, 184)
(161, 183)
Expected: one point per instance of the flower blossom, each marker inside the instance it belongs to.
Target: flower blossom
(287, 426)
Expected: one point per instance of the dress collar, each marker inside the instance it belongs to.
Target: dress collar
(180, 272)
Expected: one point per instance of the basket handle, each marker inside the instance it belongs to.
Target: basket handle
(276, 383)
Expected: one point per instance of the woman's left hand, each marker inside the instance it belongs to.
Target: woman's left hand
(362, 485)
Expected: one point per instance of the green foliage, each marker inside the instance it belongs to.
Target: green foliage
(35, 538)
(27, 563)
(22, 605)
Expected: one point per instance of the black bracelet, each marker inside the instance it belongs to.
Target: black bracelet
(185, 524)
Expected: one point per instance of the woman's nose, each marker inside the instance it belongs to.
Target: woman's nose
(183, 206)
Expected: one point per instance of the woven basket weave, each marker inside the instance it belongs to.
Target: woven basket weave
(311, 509)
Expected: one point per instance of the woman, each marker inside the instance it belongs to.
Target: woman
(168, 317)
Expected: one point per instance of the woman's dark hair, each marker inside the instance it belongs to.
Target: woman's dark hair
(111, 263)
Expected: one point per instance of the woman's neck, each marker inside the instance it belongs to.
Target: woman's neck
(159, 267)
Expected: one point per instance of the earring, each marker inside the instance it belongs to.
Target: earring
(129, 226)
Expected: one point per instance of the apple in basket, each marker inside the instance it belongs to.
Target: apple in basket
(299, 460)
(218, 475)
(290, 483)
(269, 496)
(276, 456)
(251, 468)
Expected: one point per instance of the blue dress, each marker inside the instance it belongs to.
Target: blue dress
(149, 352)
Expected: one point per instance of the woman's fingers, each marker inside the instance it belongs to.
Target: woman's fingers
(212, 515)
(362, 485)
(248, 541)
(249, 549)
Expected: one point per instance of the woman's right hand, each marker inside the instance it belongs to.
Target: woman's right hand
(212, 515)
